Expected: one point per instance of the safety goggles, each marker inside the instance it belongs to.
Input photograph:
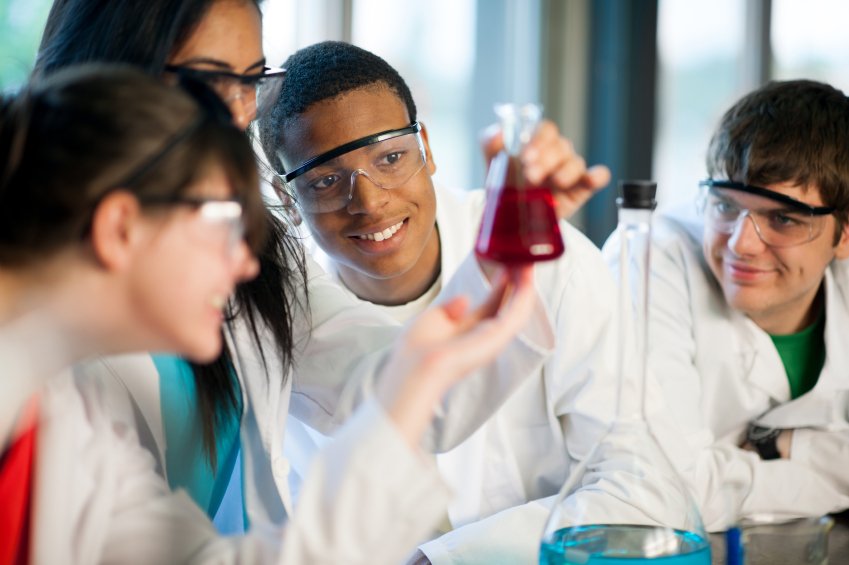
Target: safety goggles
(219, 224)
(389, 159)
(221, 220)
(780, 221)
(257, 92)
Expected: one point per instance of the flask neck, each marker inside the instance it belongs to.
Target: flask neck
(634, 236)
(518, 124)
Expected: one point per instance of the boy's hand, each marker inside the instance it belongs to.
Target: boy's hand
(550, 159)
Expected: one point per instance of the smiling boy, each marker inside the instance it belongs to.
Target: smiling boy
(345, 139)
(750, 307)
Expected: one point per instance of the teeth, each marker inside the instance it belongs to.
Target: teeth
(383, 235)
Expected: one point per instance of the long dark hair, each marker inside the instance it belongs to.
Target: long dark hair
(145, 34)
(68, 140)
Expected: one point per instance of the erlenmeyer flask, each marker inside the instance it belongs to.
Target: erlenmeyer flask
(519, 224)
(625, 502)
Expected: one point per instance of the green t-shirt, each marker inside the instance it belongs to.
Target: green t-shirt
(803, 355)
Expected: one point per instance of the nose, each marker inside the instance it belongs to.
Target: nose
(745, 239)
(243, 108)
(245, 264)
(366, 196)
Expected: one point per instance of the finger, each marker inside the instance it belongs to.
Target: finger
(484, 340)
(520, 275)
(489, 308)
(545, 135)
(569, 201)
(597, 177)
(456, 308)
(491, 141)
(555, 157)
(512, 282)
(594, 178)
(567, 175)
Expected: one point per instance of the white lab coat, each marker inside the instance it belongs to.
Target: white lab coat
(506, 473)
(344, 342)
(98, 499)
(719, 371)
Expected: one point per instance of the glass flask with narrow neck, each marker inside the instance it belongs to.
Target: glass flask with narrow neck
(625, 502)
(519, 224)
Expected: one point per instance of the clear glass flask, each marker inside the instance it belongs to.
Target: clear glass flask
(625, 502)
(519, 224)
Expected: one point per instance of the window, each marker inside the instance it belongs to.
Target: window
(700, 46)
(432, 45)
(809, 40)
(21, 25)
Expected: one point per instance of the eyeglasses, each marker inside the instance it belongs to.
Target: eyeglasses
(389, 159)
(780, 221)
(258, 92)
(221, 219)
(225, 216)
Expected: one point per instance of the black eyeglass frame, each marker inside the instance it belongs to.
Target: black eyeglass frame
(771, 194)
(314, 162)
(244, 79)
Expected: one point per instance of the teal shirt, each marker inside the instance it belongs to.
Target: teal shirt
(186, 461)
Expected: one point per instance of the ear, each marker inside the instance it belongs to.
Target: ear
(841, 248)
(431, 164)
(113, 228)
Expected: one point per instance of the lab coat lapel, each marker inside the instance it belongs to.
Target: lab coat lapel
(452, 218)
(265, 494)
(816, 408)
(761, 362)
(57, 486)
(138, 374)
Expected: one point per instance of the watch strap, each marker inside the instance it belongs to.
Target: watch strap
(765, 441)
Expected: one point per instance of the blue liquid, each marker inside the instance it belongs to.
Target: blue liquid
(618, 545)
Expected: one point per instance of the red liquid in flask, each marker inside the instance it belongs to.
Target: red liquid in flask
(519, 226)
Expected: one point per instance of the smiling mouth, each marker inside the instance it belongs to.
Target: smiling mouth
(382, 235)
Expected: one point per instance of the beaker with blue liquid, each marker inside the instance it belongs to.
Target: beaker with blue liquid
(625, 502)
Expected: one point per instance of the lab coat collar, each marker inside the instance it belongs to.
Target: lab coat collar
(263, 426)
(815, 409)
(451, 229)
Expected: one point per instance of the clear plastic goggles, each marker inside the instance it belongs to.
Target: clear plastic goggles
(780, 221)
(219, 224)
(388, 159)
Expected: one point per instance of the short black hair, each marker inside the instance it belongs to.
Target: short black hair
(787, 131)
(321, 72)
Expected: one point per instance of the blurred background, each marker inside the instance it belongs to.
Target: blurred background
(635, 84)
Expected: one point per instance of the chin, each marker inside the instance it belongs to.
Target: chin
(205, 352)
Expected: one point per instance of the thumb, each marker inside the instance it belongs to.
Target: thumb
(491, 141)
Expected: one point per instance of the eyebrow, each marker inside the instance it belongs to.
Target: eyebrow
(220, 64)
(780, 206)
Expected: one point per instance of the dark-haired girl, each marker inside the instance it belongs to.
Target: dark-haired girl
(318, 359)
(112, 187)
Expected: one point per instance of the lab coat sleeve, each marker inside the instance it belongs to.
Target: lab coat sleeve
(727, 481)
(581, 390)
(349, 340)
(369, 499)
(825, 451)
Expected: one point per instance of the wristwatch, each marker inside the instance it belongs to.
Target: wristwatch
(764, 440)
